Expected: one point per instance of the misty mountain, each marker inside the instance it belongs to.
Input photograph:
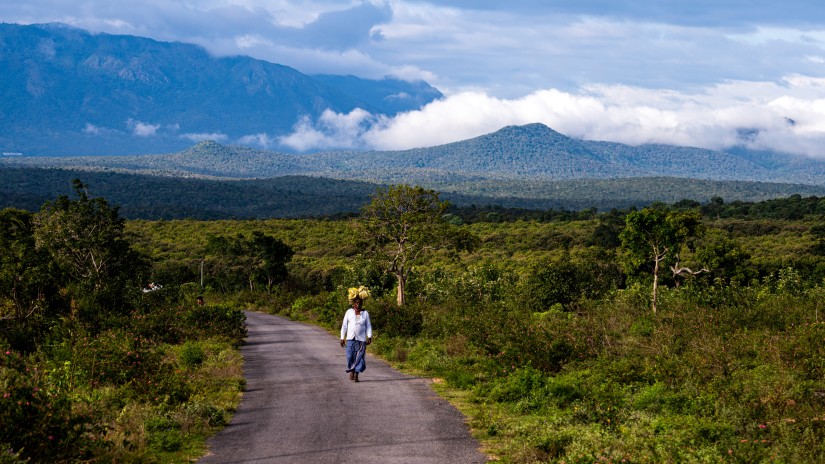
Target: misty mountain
(518, 155)
(64, 91)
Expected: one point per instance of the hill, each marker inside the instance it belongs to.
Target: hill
(64, 91)
(533, 152)
(142, 196)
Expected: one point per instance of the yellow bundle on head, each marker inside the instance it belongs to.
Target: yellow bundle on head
(361, 292)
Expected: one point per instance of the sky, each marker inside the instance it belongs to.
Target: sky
(705, 73)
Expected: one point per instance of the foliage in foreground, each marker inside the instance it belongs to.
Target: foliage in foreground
(549, 346)
(91, 368)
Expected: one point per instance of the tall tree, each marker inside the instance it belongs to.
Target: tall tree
(26, 277)
(656, 235)
(85, 239)
(259, 258)
(272, 256)
(403, 223)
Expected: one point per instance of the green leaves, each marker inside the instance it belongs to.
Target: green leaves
(84, 238)
(258, 259)
(401, 224)
(656, 235)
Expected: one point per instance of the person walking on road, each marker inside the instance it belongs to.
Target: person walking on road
(356, 332)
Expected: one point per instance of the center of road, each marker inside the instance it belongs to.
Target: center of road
(300, 407)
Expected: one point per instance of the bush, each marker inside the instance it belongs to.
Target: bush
(37, 422)
(164, 434)
(215, 321)
(520, 384)
(191, 354)
(117, 357)
(327, 308)
(392, 320)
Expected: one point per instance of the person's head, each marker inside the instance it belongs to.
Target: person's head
(358, 293)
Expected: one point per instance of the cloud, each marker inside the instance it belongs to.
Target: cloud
(689, 12)
(507, 49)
(91, 129)
(681, 71)
(262, 140)
(200, 137)
(716, 117)
(142, 129)
(331, 131)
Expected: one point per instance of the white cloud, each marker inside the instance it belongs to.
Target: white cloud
(504, 49)
(200, 137)
(91, 129)
(262, 140)
(514, 63)
(248, 41)
(711, 118)
(331, 130)
(142, 129)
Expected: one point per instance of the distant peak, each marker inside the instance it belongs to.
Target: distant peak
(206, 144)
(532, 129)
(206, 147)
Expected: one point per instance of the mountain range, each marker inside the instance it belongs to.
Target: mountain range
(532, 152)
(529, 166)
(65, 91)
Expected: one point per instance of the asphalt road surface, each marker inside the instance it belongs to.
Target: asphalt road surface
(301, 407)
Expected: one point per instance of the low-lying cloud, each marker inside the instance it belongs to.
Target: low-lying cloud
(200, 137)
(786, 116)
(333, 131)
(142, 129)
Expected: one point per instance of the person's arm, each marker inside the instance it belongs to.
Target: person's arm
(369, 327)
(344, 328)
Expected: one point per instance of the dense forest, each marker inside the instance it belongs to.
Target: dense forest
(160, 197)
(541, 326)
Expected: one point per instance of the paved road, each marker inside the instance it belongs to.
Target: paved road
(301, 407)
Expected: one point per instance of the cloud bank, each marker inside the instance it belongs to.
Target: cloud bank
(787, 116)
(707, 74)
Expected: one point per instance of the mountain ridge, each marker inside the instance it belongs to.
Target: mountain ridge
(529, 152)
(65, 91)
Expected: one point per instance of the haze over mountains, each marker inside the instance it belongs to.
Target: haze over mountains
(529, 166)
(64, 91)
(532, 152)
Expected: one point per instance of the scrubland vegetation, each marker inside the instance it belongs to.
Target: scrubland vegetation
(542, 333)
(92, 368)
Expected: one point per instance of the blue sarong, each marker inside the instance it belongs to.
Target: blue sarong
(356, 352)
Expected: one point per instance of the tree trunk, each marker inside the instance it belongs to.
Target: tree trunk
(655, 283)
(402, 284)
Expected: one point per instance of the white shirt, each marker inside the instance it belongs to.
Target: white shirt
(356, 327)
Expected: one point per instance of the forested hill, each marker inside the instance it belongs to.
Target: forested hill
(160, 197)
(64, 91)
(516, 153)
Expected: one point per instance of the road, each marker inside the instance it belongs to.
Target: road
(301, 407)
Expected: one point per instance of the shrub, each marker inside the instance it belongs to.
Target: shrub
(397, 321)
(518, 385)
(215, 321)
(164, 434)
(327, 308)
(37, 422)
(117, 357)
(191, 354)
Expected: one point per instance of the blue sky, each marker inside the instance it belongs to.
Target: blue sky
(687, 72)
